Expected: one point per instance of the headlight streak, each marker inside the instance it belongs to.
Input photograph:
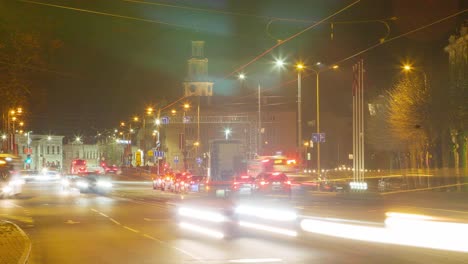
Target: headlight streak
(268, 214)
(201, 215)
(82, 184)
(270, 229)
(104, 184)
(202, 230)
(400, 229)
(7, 189)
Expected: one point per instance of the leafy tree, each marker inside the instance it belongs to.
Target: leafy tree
(22, 55)
(410, 117)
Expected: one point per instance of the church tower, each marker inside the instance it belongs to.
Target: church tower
(197, 82)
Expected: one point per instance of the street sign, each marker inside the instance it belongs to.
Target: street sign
(176, 159)
(138, 158)
(318, 137)
(165, 120)
(199, 160)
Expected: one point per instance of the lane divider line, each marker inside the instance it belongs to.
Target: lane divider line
(103, 214)
(131, 229)
(115, 222)
(152, 238)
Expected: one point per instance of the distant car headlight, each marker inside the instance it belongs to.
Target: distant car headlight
(7, 189)
(82, 184)
(104, 184)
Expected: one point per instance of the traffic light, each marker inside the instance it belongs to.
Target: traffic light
(28, 159)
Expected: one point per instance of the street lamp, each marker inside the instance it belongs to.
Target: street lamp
(241, 76)
(49, 138)
(157, 121)
(408, 68)
(227, 132)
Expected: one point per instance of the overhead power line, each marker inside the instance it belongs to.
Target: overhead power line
(291, 37)
(368, 49)
(107, 14)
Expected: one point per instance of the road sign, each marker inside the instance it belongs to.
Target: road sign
(176, 159)
(138, 158)
(318, 137)
(199, 160)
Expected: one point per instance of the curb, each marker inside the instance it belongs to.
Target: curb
(25, 256)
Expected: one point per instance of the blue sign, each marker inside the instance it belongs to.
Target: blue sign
(176, 159)
(165, 120)
(318, 137)
(199, 160)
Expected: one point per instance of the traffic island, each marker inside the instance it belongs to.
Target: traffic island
(15, 245)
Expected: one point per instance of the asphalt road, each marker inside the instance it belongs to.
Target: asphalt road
(135, 224)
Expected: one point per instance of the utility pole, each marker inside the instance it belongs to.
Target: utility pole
(260, 144)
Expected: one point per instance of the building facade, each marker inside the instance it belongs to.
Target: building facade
(45, 151)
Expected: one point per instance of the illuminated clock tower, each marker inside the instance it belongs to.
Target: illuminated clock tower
(197, 82)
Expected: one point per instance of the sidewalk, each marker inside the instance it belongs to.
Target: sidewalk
(14, 244)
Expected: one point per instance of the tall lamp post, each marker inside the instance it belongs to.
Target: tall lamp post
(317, 75)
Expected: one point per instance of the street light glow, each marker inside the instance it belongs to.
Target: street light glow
(186, 106)
(300, 66)
(122, 123)
(49, 138)
(241, 76)
(77, 139)
(173, 111)
(19, 110)
(157, 121)
(407, 67)
(318, 63)
(227, 132)
(136, 119)
(335, 67)
(21, 123)
(279, 63)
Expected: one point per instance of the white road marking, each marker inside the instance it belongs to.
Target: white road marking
(131, 229)
(103, 214)
(113, 220)
(71, 222)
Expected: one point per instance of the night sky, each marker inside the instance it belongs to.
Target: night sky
(110, 68)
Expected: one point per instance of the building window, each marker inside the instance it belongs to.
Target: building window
(53, 150)
(58, 149)
(48, 149)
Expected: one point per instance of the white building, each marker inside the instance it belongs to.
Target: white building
(45, 151)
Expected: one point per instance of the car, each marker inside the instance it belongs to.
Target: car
(90, 182)
(181, 182)
(10, 180)
(163, 182)
(29, 175)
(392, 184)
(48, 175)
(113, 169)
(272, 183)
(243, 185)
(198, 183)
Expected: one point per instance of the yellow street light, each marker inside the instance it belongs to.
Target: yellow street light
(122, 123)
(186, 106)
(121, 133)
(407, 67)
(306, 144)
(173, 111)
(21, 123)
(196, 143)
(149, 110)
(335, 67)
(13, 118)
(136, 119)
(19, 110)
(300, 66)
(12, 112)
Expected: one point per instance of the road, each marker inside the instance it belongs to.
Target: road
(135, 224)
